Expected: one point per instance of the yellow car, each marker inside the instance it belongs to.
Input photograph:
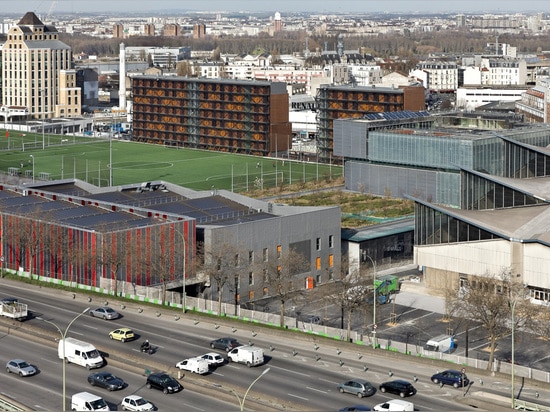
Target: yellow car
(122, 334)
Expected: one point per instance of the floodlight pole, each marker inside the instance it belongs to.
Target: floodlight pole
(32, 157)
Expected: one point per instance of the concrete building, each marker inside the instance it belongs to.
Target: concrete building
(471, 97)
(148, 234)
(37, 70)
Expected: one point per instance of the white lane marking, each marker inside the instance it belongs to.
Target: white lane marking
(315, 389)
(290, 370)
(299, 397)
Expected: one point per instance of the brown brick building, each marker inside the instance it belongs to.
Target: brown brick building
(339, 102)
(249, 117)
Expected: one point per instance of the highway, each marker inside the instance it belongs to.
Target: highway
(304, 372)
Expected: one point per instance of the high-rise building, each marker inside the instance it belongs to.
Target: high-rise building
(118, 31)
(33, 61)
(199, 31)
(277, 23)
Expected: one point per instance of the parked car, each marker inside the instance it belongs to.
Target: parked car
(105, 312)
(21, 367)
(398, 387)
(451, 377)
(355, 408)
(359, 387)
(313, 319)
(163, 382)
(213, 358)
(106, 380)
(225, 343)
(136, 403)
(122, 334)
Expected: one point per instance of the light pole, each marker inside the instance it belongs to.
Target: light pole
(241, 401)
(373, 302)
(184, 262)
(63, 337)
(43, 118)
(32, 157)
(513, 301)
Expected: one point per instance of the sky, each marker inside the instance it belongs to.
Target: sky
(42, 7)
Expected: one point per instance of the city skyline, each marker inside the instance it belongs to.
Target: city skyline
(43, 7)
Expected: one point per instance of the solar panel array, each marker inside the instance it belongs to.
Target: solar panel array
(405, 114)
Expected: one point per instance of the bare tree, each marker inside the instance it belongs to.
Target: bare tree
(280, 277)
(489, 300)
(222, 263)
(160, 262)
(111, 254)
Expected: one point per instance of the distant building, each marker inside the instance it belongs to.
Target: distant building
(118, 31)
(199, 31)
(171, 30)
(149, 30)
(37, 70)
(277, 23)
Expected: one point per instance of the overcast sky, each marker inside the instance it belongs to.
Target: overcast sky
(41, 7)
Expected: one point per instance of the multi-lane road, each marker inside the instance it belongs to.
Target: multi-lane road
(303, 375)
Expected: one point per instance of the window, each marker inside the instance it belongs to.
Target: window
(219, 264)
(265, 254)
(236, 260)
(266, 275)
(279, 249)
(318, 263)
(264, 291)
(331, 260)
(318, 243)
(250, 278)
(330, 275)
(331, 241)
(251, 257)
(251, 295)
(318, 279)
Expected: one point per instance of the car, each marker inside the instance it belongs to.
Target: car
(451, 377)
(355, 408)
(163, 382)
(21, 367)
(313, 319)
(395, 405)
(194, 365)
(398, 387)
(213, 358)
(225, 343)
(9, 301)
(105, 312)
(359, 387)
(136, 403)
(106, 380)
(122, 334)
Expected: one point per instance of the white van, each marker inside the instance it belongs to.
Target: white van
(82, 353)
(195, 365)
(395, 405)
(441, 343)
(249, 355)
(86, 401)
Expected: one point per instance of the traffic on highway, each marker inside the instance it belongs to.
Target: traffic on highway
(296, 371)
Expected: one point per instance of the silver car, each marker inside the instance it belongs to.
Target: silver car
(21, 367)
(104, 312)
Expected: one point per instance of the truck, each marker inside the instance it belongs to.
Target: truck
(12, 308)
(386, 286)
(79, 352)
(249, 355)
(86, 401)
(441, 343)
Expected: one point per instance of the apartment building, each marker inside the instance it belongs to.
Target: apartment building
(534, 104)
(248, 117)
(37, 71)
(438, 76)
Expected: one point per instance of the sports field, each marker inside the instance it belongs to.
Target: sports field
(100, 161)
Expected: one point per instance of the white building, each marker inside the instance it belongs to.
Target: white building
(470, 97)
(496, 71)
(437, 75)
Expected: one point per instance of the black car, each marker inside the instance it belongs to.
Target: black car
(106, 380)
(451, 377)
(164, 382)
(225, 343)
(398, 387)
